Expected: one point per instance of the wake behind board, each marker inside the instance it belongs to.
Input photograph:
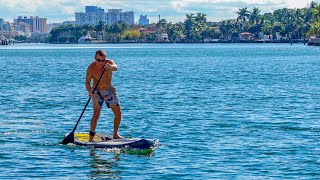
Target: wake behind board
(106, 141)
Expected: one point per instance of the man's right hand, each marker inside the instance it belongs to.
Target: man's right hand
(90, 94)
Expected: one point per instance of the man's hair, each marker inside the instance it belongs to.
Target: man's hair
(101, 53)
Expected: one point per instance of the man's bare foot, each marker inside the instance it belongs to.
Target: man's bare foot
(91, 139)
(117, 137)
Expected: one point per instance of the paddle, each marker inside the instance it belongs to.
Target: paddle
(70, 137)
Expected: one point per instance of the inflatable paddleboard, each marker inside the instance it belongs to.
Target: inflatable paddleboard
(106, 141)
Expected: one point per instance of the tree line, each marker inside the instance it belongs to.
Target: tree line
(299, 23)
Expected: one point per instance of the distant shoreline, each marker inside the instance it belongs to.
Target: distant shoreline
(174, 43)
(306, 42)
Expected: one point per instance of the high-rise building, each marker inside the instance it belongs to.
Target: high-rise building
(93, 15)
(24, 27)
(42, 25)
(114, 15)
(36, 24)
(143, 20)
(94, 9)
(6, 26)
(24, 20)
(127, 17)
(1, 24)
(16, 28)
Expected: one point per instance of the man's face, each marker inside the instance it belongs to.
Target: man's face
(100, 59)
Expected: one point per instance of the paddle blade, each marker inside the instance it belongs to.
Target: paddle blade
(68, 139)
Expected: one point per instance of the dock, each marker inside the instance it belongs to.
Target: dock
(313, 41)
(5, 41)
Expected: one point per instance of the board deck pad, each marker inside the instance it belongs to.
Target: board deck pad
(84, 137)
(106, 141)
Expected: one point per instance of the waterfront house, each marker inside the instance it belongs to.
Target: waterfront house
(246, 36)
(147, 31)
(163, 37)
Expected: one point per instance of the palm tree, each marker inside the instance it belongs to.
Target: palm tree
(210, 32)
(201, 18)
(243, 14)
(175, 32)
(190, 27)
(316, 13)
(290, 24)
(100, 29)
(255, 21)
(278, 27)
(315, 27)
(312, 4)
(226, 29)
(118, 27)
(299, 16)
(162, 25)
(315, 30)
(86, 28)
(201, 25)
(116, 30)
(267, 29)
(255, 16)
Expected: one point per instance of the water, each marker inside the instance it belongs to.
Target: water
(244, 111)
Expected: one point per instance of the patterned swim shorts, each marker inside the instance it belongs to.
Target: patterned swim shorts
(109, 96)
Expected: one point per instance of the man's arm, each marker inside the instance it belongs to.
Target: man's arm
(111, 65)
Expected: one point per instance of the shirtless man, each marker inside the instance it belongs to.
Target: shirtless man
(105, 92)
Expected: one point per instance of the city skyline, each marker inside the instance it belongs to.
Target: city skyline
(57, 11)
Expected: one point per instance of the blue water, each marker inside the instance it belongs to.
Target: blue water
(223, 111)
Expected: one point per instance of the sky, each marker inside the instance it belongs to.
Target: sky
(57, 11)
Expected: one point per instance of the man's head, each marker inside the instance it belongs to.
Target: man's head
(100, 56)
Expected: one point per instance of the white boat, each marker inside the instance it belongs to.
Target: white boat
(87, 39)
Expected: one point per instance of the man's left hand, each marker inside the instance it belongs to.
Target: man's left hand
(107, 66)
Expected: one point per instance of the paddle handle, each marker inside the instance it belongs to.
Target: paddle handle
(85, 107)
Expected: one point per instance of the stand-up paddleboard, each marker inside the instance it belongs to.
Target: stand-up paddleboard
(106, 141)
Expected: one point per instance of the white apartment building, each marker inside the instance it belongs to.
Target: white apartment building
(94, 15)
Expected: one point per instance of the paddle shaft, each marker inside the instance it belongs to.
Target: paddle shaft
(85, 107)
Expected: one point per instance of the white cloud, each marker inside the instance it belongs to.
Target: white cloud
(172, 10)
(178, 5)
(289, 3)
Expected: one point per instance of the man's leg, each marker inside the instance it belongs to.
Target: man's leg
(116, 122)
(94, 121)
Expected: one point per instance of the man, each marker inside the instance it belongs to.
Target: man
(105, 92)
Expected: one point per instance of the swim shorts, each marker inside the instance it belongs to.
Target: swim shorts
(109, 96)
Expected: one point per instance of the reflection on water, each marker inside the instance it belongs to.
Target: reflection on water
(106, 164)
(143, 152)
(104, 168)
